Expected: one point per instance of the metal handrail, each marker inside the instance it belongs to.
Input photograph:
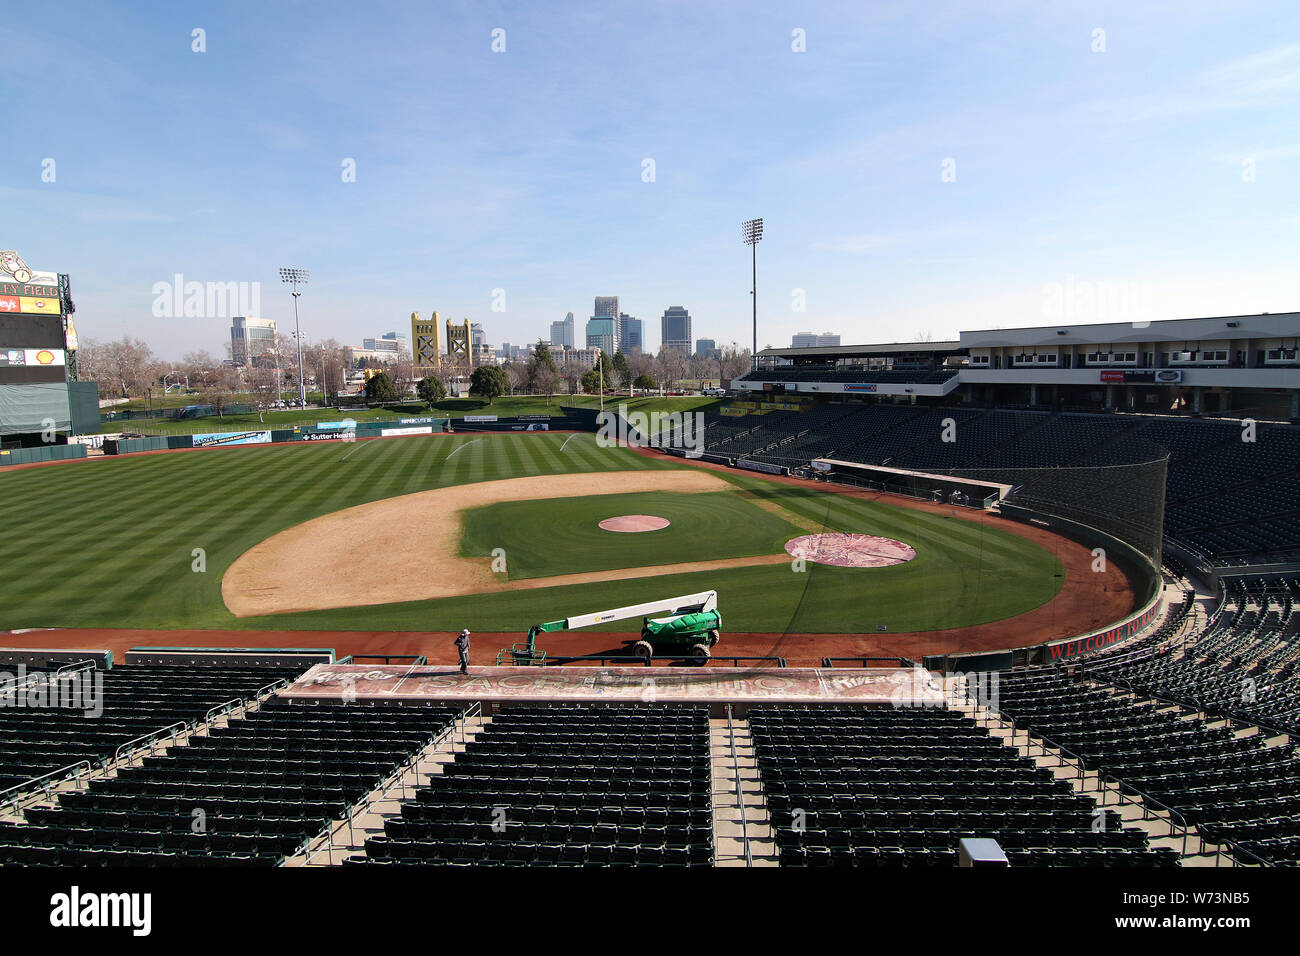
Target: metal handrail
(231, 705)
(398, 773)
(18, 790)
(863, 661)
(418, 659)
(740, 794)
(1146, 801)
(72, 668)
(151, 736)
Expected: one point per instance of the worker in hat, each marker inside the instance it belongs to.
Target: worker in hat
(462, 648)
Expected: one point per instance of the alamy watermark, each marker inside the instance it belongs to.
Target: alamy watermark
(81, 690)
(205, 300)
(682, 430)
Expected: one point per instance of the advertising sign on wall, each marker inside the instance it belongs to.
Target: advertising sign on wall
(32, 357)
(416, 430)
(232, 438)
(860, 387)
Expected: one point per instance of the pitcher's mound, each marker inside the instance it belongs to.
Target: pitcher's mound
(633, 523)
(850, 550)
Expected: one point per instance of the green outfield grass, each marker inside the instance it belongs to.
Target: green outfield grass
(111, 543)
(563, 536)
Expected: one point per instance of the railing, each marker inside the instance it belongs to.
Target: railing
(68, 669)
(11, 796)
(418, 660)
(399, 773)
(151, 738)
(867, 661)
(1146, 803)
(1080, 765)
(639, 660)
(228, 707)
(740, 792)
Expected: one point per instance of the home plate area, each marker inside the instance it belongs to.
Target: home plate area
(850, 550)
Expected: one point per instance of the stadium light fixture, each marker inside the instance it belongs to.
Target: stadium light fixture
(295, 278)
(751, 230)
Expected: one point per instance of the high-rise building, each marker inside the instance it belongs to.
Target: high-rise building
(806, 340)
(707, 348)
(675, 329)
(630, 335)
(250, 337)
(602, 333)
(562, 332)
(478, 337)
(606, 307)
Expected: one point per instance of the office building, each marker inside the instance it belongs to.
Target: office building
(251, 337)
(675, 329)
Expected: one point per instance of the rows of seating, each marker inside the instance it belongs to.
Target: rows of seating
(856, 786)
(113, 707)
(1245, 662)
(247, 794)
(554, 785)
(1234, 789)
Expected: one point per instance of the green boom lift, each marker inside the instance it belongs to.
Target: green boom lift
(689, 625)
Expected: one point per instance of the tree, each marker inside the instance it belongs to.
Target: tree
(622, 370)
(488, 381)
(672, 365)
(735, 362)
(591, 380)
(380, 389)
(219, 390)
(431, 390)
(644, 382)
(541, 371)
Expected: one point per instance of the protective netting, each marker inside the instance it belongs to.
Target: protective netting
(1126, 501)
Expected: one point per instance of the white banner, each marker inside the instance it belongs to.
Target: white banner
(11, 357)
(390, 432)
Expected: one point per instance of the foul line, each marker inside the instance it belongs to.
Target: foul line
(466, 445)
(351, 453)
(569, 439)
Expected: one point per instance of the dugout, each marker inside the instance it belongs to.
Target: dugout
(975, 493)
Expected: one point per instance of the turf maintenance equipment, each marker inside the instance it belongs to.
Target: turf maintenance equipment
(685, 626)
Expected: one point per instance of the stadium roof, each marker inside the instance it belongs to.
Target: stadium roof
(848, 351)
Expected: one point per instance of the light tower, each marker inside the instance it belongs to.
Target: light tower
(752, 231)
(295, 278)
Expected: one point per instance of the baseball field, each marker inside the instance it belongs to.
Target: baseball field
(492, 532)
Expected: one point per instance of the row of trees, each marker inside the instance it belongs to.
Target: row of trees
(128, 368)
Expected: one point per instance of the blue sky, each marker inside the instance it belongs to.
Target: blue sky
(1162, 174)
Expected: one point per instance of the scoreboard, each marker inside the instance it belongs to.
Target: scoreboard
(36, 348)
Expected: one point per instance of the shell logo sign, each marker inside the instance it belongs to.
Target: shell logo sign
(44, 357)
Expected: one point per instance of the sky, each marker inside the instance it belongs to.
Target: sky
(921, 167)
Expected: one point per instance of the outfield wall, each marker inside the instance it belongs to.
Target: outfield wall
(1148, 585)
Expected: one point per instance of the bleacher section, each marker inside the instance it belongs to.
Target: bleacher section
(565, 786)
(854, 786)
(136, 700)
(247, 794)
(1244, 663)
(1233, 790)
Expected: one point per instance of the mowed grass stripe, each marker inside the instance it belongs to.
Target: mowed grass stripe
(129, 563)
